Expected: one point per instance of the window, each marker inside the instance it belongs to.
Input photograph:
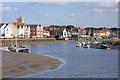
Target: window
(64, 33)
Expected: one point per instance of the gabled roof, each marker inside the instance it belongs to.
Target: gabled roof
(1, 24)
(101, 31)
(57, 32)
(19, 24)
(46, 31)
(82, 29)
(34, 25)
(5, 26)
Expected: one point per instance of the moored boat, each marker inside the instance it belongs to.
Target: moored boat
(86, 46)
(18, 49)
(79, 44)
(104, 46)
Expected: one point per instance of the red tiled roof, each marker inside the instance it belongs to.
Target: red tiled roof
(101, 31)
(46, 31)
(19, 24)
(81, 28)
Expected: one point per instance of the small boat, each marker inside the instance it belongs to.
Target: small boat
(104, 47)
(11, 48)
(79, 44)
(96, 42)
(86, 46)
(22, 50)
(18, 49)
(83, 43)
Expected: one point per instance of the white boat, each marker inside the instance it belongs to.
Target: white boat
(83, 43)
(95, 42)
(104, 46)
(79, 44)
(18, 49)
(22, 50)
(86, 46)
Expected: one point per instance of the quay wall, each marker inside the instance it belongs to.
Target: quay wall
(28, 41)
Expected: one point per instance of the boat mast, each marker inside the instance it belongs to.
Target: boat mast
(78, 34)
(16, 39)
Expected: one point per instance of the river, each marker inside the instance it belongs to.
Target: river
(78, 62)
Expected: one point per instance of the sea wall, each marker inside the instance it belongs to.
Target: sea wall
(28, 41)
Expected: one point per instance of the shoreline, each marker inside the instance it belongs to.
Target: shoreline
(14, 62)
(26, 64)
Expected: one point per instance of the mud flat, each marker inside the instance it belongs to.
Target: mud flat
(20, 64)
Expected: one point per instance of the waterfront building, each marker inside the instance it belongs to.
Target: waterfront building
(59, 33)
(8, 31)
(74, 31)
(46, 33)
(102, 33)
(36, 31)
(2, 31)
(23, 30)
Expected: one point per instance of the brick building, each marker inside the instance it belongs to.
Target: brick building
(36, 31)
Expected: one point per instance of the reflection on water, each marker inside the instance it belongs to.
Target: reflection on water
(78, 62)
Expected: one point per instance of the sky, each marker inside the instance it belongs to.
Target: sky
(79, 14)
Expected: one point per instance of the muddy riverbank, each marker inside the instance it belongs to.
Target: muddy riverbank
(20, 64)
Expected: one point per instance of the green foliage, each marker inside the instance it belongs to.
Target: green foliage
(69, 26)
(63, 26)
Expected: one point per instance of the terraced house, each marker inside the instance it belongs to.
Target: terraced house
(23, 28)
(8, 30)
(36, 31)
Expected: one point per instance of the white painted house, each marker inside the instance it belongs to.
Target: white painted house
(46, 33)
(65, 33)
(8, 31)
(23, 30)
(2, 31)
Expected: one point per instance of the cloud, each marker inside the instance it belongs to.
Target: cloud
(50, 3)
(8, 8)
(72, 14)
(56, 3)
(86, 4)
(46, 14)
(106, 7)
(97, 10)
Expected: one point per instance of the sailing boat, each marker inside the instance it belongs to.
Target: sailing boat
(79, 44)
(19, 49)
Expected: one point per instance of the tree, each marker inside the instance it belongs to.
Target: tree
(63, 26)
(52, 26)
(69, 26)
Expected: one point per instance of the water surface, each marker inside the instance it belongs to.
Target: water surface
(78, 62)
